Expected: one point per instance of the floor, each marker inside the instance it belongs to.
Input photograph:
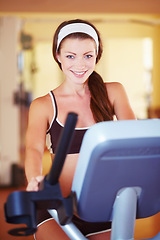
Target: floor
(5, 227)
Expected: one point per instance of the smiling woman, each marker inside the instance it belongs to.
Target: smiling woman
(77, 48)
(77, 63)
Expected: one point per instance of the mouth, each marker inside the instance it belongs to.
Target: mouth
(79, 73)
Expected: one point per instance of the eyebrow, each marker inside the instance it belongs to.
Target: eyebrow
(68, 52)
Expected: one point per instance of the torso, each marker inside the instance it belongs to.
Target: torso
(73, 103)
(81, 106)
(56, 128)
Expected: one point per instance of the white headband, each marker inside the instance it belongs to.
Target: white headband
(77, 28)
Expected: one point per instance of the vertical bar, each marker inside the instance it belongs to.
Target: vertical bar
(124, 215)
(63, 147)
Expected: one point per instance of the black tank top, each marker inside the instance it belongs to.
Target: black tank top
(54, 131)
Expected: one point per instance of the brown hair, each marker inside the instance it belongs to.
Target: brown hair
(101, 107)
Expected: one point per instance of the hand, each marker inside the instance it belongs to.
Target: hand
(34, 183)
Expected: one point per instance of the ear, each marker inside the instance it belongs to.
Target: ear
(58, 58)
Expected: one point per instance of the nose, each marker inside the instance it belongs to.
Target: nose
(80, 64)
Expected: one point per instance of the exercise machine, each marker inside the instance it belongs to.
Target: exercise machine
(117, 179)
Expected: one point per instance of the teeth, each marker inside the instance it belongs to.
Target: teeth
(79, 73)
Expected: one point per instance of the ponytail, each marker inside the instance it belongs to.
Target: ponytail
(100, 105)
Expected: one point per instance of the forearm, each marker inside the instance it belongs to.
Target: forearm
(33, 163)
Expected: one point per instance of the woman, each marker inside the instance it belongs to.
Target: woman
(77, 48)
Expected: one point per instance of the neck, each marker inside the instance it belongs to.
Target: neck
(76, 89)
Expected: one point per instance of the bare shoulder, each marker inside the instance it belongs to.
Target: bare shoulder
(114, 90)
(119, 100)
(40, 103)
(114, 86)
(40, 108)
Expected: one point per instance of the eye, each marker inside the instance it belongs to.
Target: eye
(70, 56)
(88, 56)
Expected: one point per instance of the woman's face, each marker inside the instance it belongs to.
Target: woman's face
(78, 59)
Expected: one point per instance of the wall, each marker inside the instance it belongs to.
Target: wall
(48, 75)
(9, 113)
(124, 63)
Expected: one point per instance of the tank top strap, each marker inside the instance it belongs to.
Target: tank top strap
(55, 109)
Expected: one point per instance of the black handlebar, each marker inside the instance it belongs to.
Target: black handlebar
(63, 147)
(21, 206)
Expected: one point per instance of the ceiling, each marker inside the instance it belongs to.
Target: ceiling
(83, 6)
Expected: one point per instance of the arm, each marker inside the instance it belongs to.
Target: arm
(120, 101)
(35, 142)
